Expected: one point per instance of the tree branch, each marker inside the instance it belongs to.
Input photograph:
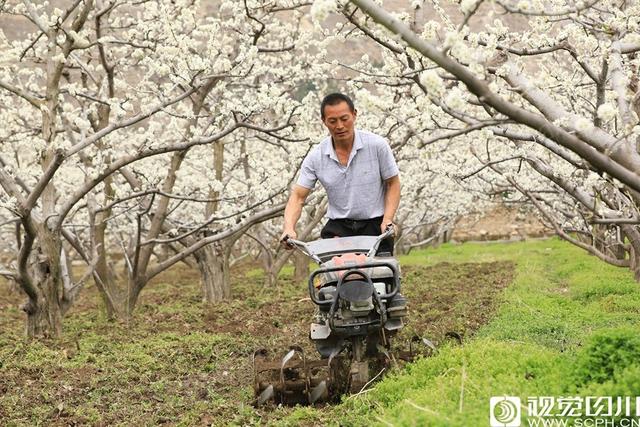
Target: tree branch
(619, 86)
(254, 219)
(128, 122)
(560, 232)
(11, 275)
(120, 163)
(30, 98)
(209, 221)
(44, 180)
(622, 167)
(453, 134)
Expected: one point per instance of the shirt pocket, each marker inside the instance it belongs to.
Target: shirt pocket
(367, 177)
(331, 177)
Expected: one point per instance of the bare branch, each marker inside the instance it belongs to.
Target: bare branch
(261, 216)
(128, 122)
(615, 221)
(276, 49)
(162, 193)
(541, 140)
(29, 97)
(561, 233)
(369, 33)
(469, 14)
(70, 10)
(44, 180)
(453, 134)
(626, 48)
(11, 275)
(489, 164)
(209, 221)
(557, 12)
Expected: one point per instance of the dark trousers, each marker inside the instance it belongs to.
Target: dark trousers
(359, 227)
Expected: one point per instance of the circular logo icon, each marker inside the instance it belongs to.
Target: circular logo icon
(505, 411)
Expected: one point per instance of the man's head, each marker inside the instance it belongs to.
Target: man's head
(339, 116)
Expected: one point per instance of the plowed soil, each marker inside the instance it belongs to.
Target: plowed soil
(178, 361)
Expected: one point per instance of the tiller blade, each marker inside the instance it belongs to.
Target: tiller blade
(295, 380)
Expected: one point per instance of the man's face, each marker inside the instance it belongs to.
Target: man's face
(340, 121)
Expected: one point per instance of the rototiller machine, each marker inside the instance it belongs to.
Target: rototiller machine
(359, 309)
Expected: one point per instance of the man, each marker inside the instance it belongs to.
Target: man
(359, 173)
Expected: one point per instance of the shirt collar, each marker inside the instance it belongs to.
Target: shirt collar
(328, 150)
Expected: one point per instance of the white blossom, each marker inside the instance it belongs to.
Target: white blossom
(607, 111)
(583, 124)
(432, 82)
(466, 6)
(320, 9)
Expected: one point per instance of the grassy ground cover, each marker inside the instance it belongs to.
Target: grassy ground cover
(538, 318)
(178, 362)
(567, 326)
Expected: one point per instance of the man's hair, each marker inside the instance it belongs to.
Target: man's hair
(335, 99)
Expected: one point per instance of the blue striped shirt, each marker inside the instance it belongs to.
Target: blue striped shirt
(355, 191)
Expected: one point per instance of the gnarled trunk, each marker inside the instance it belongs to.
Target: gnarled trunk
(213, 265)
(44, 317)
(45, 311)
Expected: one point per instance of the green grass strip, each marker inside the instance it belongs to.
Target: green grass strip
(567, 326)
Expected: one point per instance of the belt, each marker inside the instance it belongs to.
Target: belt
(355, 222)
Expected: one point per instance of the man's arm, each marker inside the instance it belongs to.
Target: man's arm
(391, 201)
(293, 209)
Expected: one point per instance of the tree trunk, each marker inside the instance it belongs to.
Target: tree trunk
(300, 267)
(633, 237)
(44, 319)
(108, 290)
(133, 292)
(44, 314)
(214, 273)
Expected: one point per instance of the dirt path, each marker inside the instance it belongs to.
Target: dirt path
(179, 362)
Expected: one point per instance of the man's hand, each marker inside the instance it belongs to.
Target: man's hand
(290, 234)
(385, 223)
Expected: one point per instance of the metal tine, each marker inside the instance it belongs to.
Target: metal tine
(266, 394)
(287, 357)
(383, 350)
(258, 354)
(318, 391)
(422, 340)
(291, 353)
(337, 350)
(454, 335)
(429, 344)
(283, 384)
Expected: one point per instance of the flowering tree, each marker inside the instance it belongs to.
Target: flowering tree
(110, 107)
(544, 101)
(392, 101)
